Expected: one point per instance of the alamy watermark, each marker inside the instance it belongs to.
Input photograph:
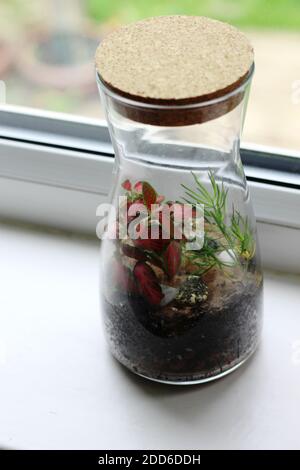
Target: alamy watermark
(135, 220)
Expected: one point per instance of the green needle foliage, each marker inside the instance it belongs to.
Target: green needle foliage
(242, 233)
(235, 237)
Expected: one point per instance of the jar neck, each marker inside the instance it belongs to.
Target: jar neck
(181, 146)
(178, 112)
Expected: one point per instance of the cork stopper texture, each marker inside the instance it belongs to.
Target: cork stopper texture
(174, 60)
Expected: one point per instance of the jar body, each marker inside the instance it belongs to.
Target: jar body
(175, 311)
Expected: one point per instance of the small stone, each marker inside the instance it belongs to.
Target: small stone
(193, 291)
(227, 257)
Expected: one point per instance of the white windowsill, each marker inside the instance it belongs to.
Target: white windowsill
(60, 388)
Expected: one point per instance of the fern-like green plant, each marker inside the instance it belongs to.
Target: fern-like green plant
(235, 237)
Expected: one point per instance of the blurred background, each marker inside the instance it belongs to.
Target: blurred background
(47, 49)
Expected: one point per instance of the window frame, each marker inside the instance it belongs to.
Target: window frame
(62, 165)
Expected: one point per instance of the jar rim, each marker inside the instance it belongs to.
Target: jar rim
(171, 104)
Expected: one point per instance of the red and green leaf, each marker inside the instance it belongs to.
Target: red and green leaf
(126, 185)
(138, 187)
(148, 284)
(133, 252)
(147, 241)
(160, 199)
(172, 258)
(149, 194)
(156, 245)
(134, 208)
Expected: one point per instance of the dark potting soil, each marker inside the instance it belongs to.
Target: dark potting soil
(183, 343)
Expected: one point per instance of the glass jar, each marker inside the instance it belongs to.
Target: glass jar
(177, 308)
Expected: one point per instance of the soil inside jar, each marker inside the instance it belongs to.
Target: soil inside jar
(183, 341)
(178, 314)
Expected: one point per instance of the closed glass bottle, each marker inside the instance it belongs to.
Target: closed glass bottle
(181, 292)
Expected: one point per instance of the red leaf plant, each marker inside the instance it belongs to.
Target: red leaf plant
(147, 241)
(149, 194)
(145, 189)
(133, 209)
(160, 199)
(138, 187)
(148, 284)
(126, 185)
(133, 252)
(172, 258)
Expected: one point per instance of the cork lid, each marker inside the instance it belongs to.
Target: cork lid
(175, 61)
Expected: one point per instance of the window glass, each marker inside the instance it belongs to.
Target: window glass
(47, 49)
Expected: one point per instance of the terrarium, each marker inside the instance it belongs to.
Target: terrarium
(181, 281)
